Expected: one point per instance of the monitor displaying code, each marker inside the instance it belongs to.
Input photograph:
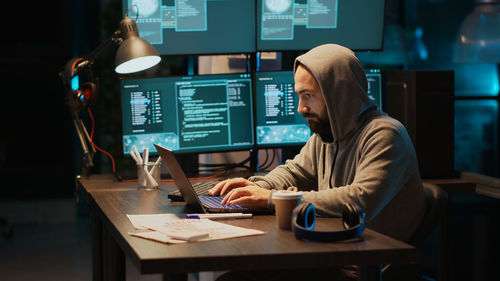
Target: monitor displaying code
(277, 121)
(202, 113)
(195, 27)
(374, 78)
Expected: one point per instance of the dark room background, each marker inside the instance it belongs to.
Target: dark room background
(40, 154)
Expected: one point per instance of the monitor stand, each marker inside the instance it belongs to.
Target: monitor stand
(254, 160)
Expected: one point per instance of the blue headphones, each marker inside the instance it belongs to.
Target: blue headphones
(304, 217)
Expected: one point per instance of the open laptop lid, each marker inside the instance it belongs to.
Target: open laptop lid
(180, 178)
(192, 200)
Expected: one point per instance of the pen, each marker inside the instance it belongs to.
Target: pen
(145, 156)
(135, 157)
(219, 216)
(155, 165)
(137, 154)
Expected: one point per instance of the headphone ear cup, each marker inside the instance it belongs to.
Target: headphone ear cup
(89, 90)
(352, 215)
(306, 215)
(68, 73)
(301, 214)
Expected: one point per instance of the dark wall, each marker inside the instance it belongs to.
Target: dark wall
(37, 155)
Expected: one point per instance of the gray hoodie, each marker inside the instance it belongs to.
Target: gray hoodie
(371, 160)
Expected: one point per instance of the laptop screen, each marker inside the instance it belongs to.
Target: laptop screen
(198, 114)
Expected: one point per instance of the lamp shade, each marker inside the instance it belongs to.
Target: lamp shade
(134, 54)
(478, 39)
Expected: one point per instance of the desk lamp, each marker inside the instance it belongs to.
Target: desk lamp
(134, 54)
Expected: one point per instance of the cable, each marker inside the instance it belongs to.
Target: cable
(272, 160)
(265, 161)
(100, 149)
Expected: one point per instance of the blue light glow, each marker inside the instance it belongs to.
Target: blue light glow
(75, 83)
(480, 79)
(476, 136)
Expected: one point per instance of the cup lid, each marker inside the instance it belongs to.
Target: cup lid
(285, 194)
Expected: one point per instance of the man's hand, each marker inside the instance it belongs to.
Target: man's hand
(248, 195)
(225, 186)
(241, 191)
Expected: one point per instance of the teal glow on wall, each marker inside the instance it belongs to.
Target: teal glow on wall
(476, 136)
(479, 79)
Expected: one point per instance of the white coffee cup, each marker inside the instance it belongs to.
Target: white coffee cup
(285, 202)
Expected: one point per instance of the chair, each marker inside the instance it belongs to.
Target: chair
(436, 200)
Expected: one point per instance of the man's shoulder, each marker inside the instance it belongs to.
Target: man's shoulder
(385, 121)
(384, 126)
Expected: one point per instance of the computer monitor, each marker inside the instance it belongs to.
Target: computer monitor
(195, 27)
(189, 114)
(374, 77)
(303, 24)
(277, 121)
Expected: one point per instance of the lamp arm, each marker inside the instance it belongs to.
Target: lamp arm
(85, 141)
(116, 38)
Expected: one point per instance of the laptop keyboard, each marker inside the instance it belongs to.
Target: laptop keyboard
(201, 188)
(215, 202)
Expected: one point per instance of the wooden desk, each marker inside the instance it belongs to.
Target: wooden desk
(277, 249)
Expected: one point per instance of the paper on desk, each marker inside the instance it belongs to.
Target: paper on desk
(146, 221)
(157, 236)
(186, 227)
(215, 230)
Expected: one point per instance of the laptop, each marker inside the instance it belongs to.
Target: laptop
(195, 202)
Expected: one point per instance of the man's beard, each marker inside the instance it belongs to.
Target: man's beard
(320, 126)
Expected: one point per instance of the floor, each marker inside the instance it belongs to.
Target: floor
(51, 240)
(53, 252)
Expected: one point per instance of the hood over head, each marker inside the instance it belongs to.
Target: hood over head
(343, 83)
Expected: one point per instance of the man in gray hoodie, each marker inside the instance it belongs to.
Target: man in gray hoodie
(357, 153)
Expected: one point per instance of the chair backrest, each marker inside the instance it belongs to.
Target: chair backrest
(435, 200)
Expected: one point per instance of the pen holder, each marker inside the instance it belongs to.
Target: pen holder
(148, 176)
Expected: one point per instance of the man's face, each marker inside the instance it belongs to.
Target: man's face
(311, 102)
